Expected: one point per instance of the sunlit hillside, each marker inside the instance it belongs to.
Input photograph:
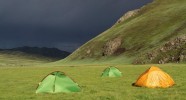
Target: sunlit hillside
(155, 33)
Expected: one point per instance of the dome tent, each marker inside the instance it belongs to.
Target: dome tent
(57, 82)
(154, 78)
(111, 72)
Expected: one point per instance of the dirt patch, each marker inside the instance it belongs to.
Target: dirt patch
(172, 51)
(112, 46)
(128, 15)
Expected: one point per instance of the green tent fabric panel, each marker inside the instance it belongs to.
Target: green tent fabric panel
(115, 72)
(46, 85)
(105, 72)
(57, 82)
(65, 84)
(111, 72)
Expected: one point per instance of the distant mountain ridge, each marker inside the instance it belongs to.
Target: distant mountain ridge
(41, 51)
(30, 56)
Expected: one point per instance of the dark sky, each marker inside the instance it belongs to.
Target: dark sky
(65, 24)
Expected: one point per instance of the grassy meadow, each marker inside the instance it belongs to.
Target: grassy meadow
(156, 24)
(19, 83)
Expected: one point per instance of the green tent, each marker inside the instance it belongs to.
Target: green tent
(57, 82)
(111, 72)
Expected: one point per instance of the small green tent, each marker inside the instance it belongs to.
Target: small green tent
(111, 72)
(57, 82)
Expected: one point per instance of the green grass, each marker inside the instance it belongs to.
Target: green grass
(88, 61)
(19, 83)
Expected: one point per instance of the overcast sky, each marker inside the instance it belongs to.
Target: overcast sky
(64, 24)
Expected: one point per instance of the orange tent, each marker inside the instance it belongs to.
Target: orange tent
(153, 78)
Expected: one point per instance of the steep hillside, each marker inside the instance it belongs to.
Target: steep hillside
(29, 56)
(155, 33)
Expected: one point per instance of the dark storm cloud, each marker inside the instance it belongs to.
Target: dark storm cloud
(65, 24)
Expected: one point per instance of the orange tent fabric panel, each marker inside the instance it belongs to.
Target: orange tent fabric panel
(153, 78)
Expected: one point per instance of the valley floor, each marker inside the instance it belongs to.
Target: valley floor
(19, 83)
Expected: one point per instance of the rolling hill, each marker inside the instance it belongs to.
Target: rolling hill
(29, 56)
(155, 33)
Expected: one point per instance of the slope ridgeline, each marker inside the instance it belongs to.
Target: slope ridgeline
(155, 33)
